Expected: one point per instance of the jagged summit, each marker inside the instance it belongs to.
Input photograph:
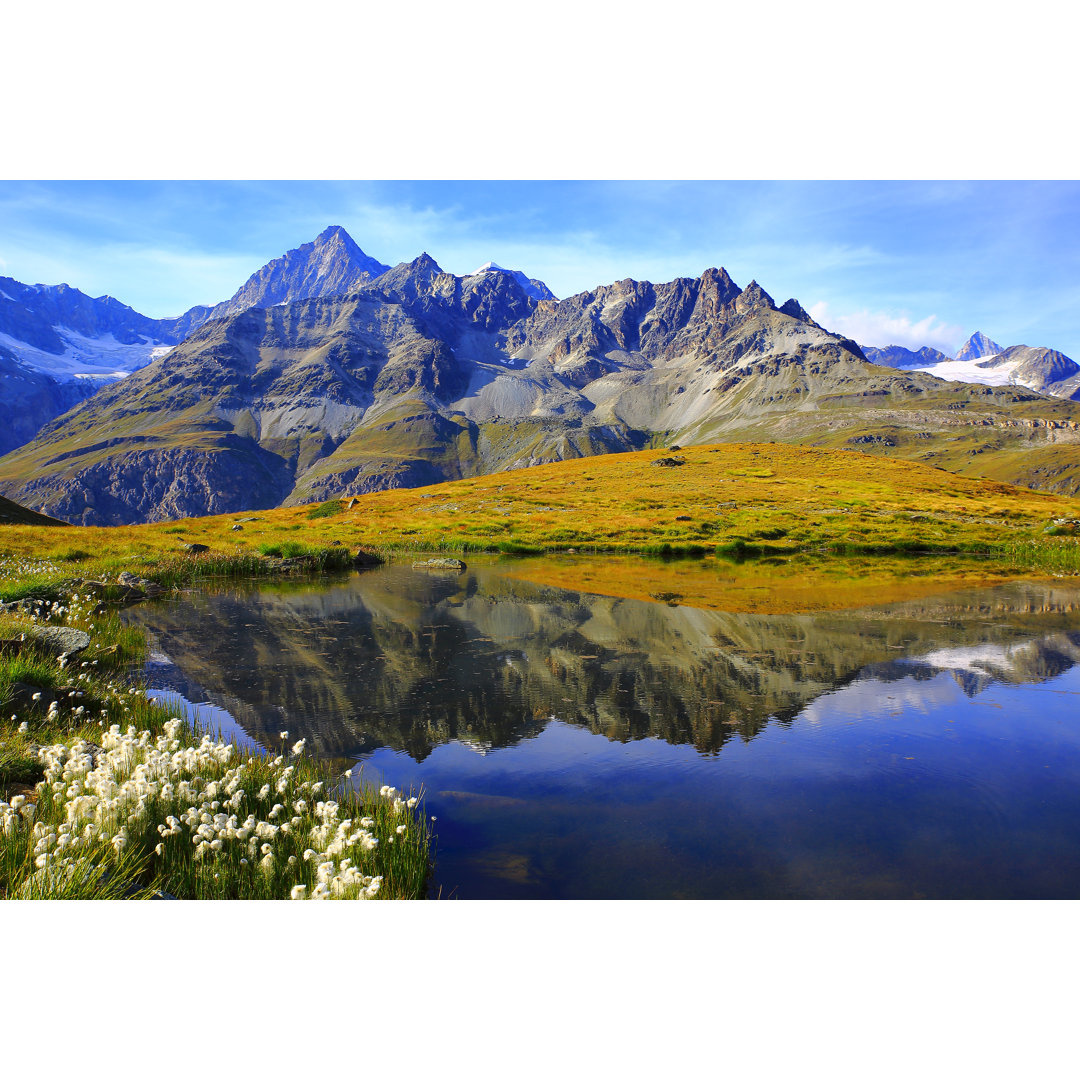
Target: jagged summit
(978, 347)
(754, 296)
(793, 308)
(408, 280)
(335, 232)
(332, 264)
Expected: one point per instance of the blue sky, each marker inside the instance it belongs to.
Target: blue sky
(904, 262)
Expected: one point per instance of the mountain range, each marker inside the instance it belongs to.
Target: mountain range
(329, 373)
(59, 346)
(980, 360)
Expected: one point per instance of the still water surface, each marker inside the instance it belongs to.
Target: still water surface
(583, 746)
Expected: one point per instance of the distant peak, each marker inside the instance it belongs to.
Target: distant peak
(532, 287)
(424, 261)
(978, 346)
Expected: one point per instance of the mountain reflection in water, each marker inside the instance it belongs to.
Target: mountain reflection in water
(411, 660)
(409, 670)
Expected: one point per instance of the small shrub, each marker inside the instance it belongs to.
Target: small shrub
(74, 555)
(326, 509)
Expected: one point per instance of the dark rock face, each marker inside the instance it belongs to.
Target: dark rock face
(532, 286)
(29, 399)
(147, 485)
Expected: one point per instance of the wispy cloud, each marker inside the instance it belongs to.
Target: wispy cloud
(881, 328)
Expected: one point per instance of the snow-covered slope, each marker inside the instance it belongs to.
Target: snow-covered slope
(100, 359)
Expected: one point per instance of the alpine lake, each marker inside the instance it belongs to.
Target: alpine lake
(625, 728)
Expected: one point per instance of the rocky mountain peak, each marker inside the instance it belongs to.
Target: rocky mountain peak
(532, 286)
(793, 308)
(752, 298)
(335, 232)
(717, 283)
(330, 265)
(408, 280)
(978, 346)
(425, 262)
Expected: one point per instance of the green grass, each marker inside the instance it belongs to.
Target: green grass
(289, 549)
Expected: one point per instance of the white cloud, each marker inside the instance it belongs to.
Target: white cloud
(880, 328)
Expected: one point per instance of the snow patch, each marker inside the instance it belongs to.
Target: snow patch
(971, 371)
(85, 357)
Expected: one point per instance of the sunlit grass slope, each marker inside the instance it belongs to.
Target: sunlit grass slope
(729, 498)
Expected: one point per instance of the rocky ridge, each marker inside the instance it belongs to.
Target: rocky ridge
(421, 376)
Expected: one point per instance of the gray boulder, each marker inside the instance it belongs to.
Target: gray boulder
(60, 640)
(455, 565)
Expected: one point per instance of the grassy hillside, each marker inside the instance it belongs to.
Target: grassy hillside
(728, 499)
(12, 513)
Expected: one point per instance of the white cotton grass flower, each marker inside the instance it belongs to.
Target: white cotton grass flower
(298, 747)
